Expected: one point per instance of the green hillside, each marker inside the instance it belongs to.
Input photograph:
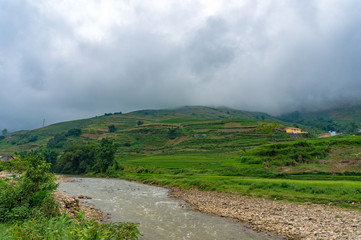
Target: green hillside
(345, 119)
(183, 129)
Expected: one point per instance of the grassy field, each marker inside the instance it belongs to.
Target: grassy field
(321, 182)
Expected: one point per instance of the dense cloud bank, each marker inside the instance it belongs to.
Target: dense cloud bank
(63, 60)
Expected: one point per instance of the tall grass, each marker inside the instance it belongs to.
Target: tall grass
(65, 228)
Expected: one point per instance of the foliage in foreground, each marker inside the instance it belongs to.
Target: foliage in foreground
(29, 209)
(65, 228)
(29, 194)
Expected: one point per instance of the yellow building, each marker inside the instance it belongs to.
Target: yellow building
(294, 130)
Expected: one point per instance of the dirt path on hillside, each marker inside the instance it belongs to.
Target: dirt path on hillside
(293, 221)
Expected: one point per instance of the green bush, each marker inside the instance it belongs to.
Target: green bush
(287, 154)
(112, 128)
(57, 141)
(65, 228)
(77, 159)
(30, 194)
(88, 157)
(74, 132)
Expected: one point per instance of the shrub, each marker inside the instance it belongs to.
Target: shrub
(112, 128)
(286, 154)
(65, 228)
(57, 141)
(74, 132)
(30, 194)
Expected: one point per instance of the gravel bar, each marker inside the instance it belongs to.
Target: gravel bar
(289, 220)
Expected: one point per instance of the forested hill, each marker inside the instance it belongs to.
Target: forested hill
(345, 119)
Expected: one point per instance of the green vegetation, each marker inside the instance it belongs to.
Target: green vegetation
(77, 159)
(105, 155)
(29, 195)
(112, 128)
(57, 141)
(29, 211)
(86, 158)
(150, 131)
(212, 149)
(74, 132)
(345, 119)
(63, 227)
(302, 171)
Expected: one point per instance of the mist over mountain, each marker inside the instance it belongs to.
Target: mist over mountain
(69, 60)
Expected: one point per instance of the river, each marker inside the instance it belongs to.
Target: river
(160, 216)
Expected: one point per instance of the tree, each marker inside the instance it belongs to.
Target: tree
(172, 133)
(31, 193)
(4, 131)
(140, 123)
(78, 159)
(106, 154)
(57, 141)
(112, 128)
(74, 132)
(50, 156)
(351, 128)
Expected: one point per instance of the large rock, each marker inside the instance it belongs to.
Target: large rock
(70, 205)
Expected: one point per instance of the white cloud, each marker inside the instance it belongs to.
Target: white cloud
(71, 59)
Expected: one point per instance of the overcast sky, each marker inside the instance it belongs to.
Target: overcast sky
(65, 60)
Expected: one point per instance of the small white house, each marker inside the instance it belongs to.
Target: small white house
(334, 133)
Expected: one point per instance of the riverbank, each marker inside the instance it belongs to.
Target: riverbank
(290, 220)
(71, 205)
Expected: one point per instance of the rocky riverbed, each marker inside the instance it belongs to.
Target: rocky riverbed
(290, 220)
(70, 204)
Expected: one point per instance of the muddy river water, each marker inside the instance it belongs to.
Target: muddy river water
(160, 216)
